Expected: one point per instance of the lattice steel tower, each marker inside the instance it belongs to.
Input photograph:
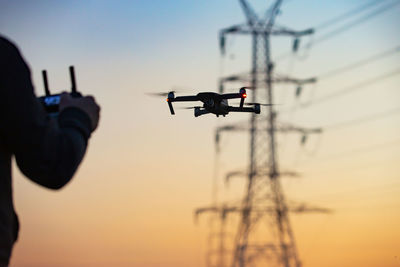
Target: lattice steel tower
(264, 196)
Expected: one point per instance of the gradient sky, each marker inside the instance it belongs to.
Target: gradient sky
(131, 202)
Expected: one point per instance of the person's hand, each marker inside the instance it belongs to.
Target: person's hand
(87, 104)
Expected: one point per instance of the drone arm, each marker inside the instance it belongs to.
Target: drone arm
(171, 108)
(242, 94)
(171, 98)
(184, 98)
(241, 102)
(231, 96)
(243, 109)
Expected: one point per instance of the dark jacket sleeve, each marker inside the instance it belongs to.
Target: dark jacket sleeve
(47, 150)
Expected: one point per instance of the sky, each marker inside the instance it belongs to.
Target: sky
(131, 202)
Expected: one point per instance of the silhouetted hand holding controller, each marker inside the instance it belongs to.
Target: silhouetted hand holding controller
(87, 104)
(46, 136)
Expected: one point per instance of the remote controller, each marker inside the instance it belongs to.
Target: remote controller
(51, 102)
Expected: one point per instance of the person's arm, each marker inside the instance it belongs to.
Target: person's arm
(46, 150)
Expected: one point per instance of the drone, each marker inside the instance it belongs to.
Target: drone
(215, 103)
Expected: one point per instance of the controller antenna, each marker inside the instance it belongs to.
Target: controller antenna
(45, 82)
(73, 82)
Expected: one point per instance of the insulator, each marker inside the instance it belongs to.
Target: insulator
(299, 89)
(222, 44)
(232, 78)
(270, 67)
(304, 139)
(296, 43)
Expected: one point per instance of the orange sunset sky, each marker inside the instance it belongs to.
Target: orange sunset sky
(131, 202)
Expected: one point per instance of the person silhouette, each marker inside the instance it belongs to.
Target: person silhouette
(48, 150)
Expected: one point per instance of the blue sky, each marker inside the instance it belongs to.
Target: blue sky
(123, 49)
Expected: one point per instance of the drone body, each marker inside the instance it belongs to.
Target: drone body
(214, 103)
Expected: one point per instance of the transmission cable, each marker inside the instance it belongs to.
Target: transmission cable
(360, 63)
(349, 13)
(360, 20)
(364, 119)
(362, 150)
(345, 27)
(352, 88)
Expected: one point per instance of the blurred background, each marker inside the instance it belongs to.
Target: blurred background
(132, 201)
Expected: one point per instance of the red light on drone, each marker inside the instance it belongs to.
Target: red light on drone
(244, 95)
(167, 99)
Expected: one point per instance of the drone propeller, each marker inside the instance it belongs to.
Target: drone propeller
(253, 104)
(174, 89)
(160, 94)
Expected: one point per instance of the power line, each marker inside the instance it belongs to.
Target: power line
(364, 119)
(360, 20)
(352, 88)
(364, 149)
(360, 63)
(349, 67)
(345, 27)
(383, 188)
(357, 121)
(352, 153)
(347, 14)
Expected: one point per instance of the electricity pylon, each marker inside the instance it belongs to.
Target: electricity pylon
(263, 165)
(217, 248)
(217, 255)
